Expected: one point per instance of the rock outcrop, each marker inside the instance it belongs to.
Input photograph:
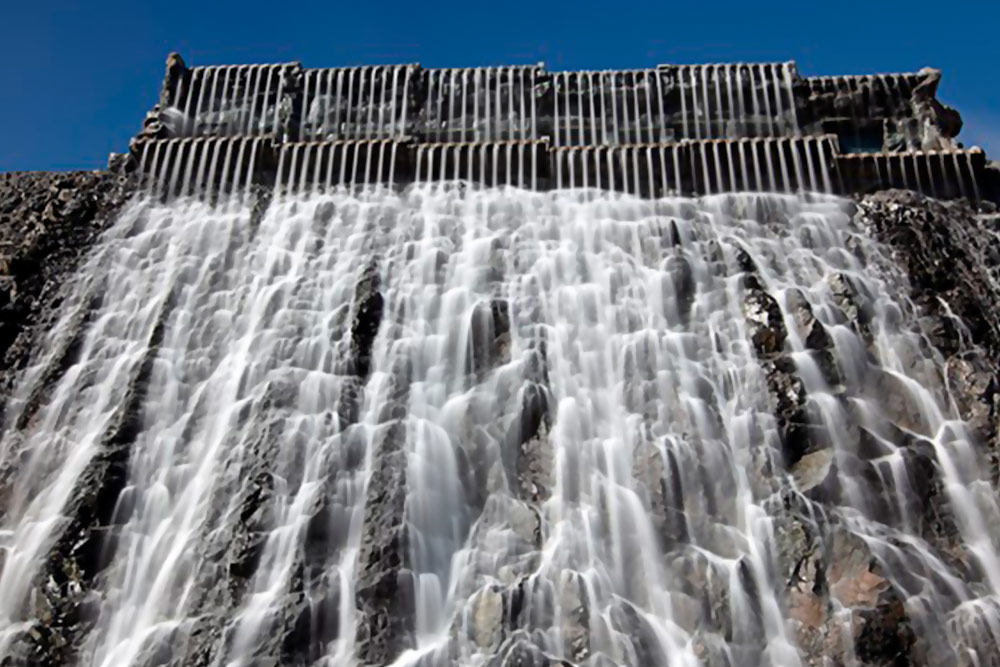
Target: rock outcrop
(48, 222)
(953, 267)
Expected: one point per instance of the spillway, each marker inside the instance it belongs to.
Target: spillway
(604, 369)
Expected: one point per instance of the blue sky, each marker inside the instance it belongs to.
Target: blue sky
(77, 77)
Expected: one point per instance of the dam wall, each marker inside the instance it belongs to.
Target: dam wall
(668, 130)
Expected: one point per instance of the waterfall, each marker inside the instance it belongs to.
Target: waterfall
(502, 367)
(537, 422)
(736, 101)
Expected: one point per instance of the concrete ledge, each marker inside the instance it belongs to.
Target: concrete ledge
(175, 167)
(524, 102)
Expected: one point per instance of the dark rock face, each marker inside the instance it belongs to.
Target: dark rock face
(768, 334)
(48, 222)
(825, 568)
(949, 256)
(953, 267)
(384, 590)
(947, 253)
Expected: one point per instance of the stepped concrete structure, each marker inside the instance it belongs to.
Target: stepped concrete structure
(667, 130)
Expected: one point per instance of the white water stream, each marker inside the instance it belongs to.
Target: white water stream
(593, 464)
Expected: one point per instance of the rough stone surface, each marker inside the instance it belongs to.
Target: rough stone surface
(48, 222)
(843, 609)
(384, 593)
(951, 259)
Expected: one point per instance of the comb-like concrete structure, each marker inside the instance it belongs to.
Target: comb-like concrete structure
(668, 130)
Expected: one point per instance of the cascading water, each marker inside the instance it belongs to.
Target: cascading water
(394, 366)
(543, 423)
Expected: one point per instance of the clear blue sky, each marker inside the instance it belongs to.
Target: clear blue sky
(77, 77)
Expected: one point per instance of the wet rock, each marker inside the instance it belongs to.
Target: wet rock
(765, 322)
(648, 469)
(519, 651)
(973, 382)
(80, 553)
(487, 618)
(527, 439)
(896, 398)
(839, 602)
(646, 646)
(368, 308)
(812, 470)
(490, 333)
(745, 262)
(812, 333)
(316, 622)
(945, 252)
(384, 593)
(885, 636)
(929, 503)
(969, 630)
(814, 337)
(599, 660)
(311, 622)
(852, 574)
(681, 288)
(706, 603)
(512, 514)
(766, 326)
(790, 399)
(951, 264)
(48, 223)
(575, 622)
